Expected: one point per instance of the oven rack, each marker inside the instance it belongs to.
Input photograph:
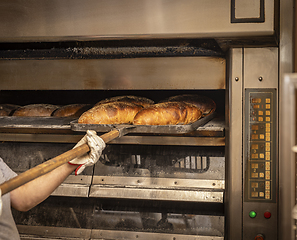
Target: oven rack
(48, 231)
(58, 130)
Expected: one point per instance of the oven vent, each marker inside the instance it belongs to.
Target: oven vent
(196, 163)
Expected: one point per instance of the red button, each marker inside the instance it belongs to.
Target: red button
(267, 215)
(259, 237)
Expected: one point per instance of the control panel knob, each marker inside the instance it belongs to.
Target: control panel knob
(259, 237)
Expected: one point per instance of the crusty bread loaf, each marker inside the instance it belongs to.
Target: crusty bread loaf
(110, 113)
(35, 110)
(143, 101)
(7, 109)
(168, 113)
(205, 104)
(71, 110)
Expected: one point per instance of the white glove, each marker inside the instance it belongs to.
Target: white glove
(96, 145)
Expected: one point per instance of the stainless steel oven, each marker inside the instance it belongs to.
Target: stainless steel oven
(221, 181)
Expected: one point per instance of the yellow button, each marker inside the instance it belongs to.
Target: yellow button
(255, 175)
(267, 166)
(255, 146)
(267, 100)
(267, 175)
(255, 165)
(267, 183)
(267, 196)
(254, 194)
(267, 138)
(268, 106)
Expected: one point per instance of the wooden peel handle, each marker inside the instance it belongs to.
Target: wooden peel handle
(51, 164)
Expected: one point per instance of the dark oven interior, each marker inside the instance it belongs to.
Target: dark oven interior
(144, 183)
(98, 200)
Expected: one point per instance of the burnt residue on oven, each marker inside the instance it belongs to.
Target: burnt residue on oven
(156, 161)
(126, 215)
(111, 49)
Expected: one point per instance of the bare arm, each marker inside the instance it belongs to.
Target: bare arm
(32, 193)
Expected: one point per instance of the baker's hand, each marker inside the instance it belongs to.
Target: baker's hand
(96, 145)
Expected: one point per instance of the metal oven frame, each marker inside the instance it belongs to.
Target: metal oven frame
(259, 52)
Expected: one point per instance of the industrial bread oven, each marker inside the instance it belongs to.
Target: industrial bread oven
(219, 181)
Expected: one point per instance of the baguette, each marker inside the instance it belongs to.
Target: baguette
(142, 101)
(35, 110)
(205, 104)
(168, 113)
(110, 113)
(7, 109)
(71, 110)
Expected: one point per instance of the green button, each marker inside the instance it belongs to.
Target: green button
(253, 214)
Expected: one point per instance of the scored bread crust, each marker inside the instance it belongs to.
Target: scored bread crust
(71, 110)
(110, 113)
(143, 101)
(168, 113)
(7, 109)
(205, 104)
(35, 110)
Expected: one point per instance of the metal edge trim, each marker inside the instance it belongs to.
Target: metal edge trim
(157, 194)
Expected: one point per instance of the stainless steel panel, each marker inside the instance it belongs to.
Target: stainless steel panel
(234, 147)
(73, 190)
(107, 234)
(158, 182)
(263, 197)
(157, 194)
(261, 68)
(146, 140)
(260, 73)
(287, 166)
(139, 73)
(74, 186)
(244, 9)
(53, 232)
(80, 179)
(70, 19)
(287, 124)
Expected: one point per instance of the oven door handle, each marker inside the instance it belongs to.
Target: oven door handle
(53, 163)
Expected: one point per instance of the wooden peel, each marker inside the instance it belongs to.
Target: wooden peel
(52, 164)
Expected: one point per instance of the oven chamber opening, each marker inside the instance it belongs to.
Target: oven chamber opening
(147, 183)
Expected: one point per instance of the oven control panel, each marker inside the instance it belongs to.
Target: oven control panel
(260, 146)
(260, 164)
